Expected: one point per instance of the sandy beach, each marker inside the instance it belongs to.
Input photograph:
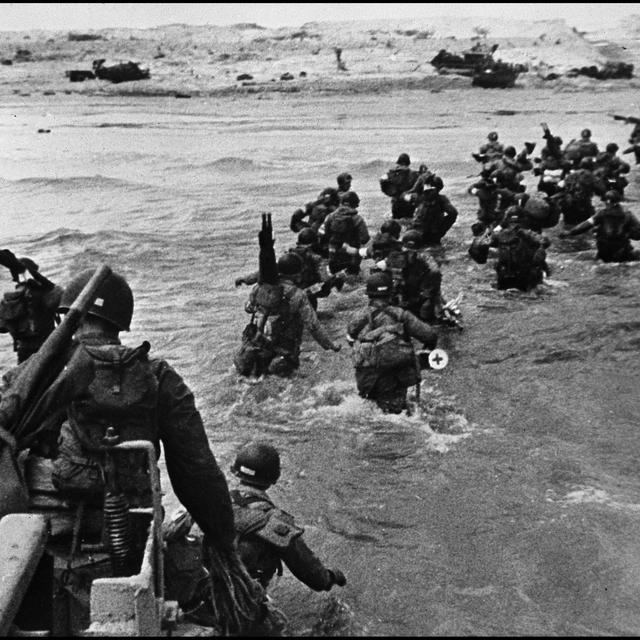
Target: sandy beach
(377, 56)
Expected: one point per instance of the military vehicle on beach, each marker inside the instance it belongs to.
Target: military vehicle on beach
(120, 72)
(479, 64)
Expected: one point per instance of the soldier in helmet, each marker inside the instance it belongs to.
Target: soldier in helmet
(396, 183)
(345, 228)
(29, 312)
(584, 147)
(416, 278)
(383, 354)
(521, 260)
(108, 389)
(280, 313)
(578, 189)
(391, 227)
(314, 213)
(610, 170)
(269, 537)
(344, 181)
(614, 228)
(552, 164)
(490, 150)
(314, 277)
(434, 214)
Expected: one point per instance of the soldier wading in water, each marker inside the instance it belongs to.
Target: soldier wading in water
(385, 362)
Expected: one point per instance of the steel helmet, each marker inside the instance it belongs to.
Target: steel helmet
(392, 227)
(612, 196)
(382, 241)
(289, 264)
(344, 177)
(114, 302)
(307, 236)
(350, 198)
(510, 152)
(612, 147)
(436, 182)
(412, 239)
(558, 139)
(585, 133)
(258, 464)
(404, 159)
(493, 136)
(379, 285)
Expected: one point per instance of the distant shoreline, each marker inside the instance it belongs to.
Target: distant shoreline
(249, 60)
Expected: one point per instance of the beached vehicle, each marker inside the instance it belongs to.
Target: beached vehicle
(479, 64)
(498, 75)
(120, 71)
(466, 64)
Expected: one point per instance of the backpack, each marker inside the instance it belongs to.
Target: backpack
(612, 227)
(14, 312)
(269, 302)
(479, 249)
(28, 311)
(515, 252)
(397, 181)
(342, 227)
(396, 263)
(428, 218)
(309, 273)
(267, 298)
(123, 395)
(259, 516)
(575, 187)
(383, 346)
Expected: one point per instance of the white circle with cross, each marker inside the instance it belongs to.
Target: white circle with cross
(438, 359)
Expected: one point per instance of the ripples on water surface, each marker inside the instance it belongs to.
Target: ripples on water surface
(508, 504)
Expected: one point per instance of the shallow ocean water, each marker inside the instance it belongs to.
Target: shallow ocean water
(509, 502)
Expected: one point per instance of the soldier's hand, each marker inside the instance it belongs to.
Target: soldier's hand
(338, 577)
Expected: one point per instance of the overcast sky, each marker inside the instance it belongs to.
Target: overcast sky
(17, 16)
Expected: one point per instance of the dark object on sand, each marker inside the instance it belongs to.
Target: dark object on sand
(610, 71)
(79, 75)
(120, 72)
(244, 76)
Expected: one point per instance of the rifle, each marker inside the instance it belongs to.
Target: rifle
(626, 119)
(267, 257)
(32, 393)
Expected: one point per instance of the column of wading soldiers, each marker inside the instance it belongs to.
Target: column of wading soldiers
(242, 533)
